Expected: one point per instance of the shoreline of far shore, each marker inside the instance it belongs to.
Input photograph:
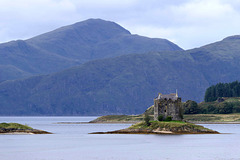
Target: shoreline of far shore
(194, 122)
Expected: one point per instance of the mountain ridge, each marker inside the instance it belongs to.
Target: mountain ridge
(72, 45)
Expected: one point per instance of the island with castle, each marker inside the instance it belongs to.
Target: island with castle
(167, 119)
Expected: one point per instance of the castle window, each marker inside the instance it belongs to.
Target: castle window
(165, 108)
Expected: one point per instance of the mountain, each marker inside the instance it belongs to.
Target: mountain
(123, 85)
(73, 45)
(219, 62)
(19, 59)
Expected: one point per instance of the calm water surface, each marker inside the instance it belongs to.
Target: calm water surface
(72, 142)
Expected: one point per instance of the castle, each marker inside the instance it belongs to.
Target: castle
(168, 105)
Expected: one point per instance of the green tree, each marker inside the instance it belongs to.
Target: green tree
(211, 109)
(225, 108)
(147, 119)
(168, 118)
(222, 90)
(191, 107)
(160, 118)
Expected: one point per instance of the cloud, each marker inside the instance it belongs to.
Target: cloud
(188, 23)
(191, 23)
(24, 18)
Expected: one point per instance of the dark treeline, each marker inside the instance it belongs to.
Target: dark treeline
(222, 90)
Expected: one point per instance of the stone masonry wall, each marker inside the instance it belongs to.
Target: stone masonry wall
(168, 108)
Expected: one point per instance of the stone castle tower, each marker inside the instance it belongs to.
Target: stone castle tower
(168, 105)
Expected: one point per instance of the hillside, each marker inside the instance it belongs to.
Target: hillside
(73, 45)
(125, 84)
(223, 105)
(219, 62)
(121, 85)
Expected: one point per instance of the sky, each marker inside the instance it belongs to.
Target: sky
(188, 23)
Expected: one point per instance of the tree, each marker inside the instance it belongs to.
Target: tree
(147, 119)
(211, 109)
(168, 118)
(191, 107)
(160, 118)
(225, 108)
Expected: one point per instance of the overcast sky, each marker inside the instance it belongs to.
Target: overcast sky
(188, 23)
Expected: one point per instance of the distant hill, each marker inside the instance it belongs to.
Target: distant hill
(123, 85)
(73, 45)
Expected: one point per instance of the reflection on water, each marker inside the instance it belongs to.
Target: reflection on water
(72, 142)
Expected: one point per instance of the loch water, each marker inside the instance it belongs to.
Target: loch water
(72, 142)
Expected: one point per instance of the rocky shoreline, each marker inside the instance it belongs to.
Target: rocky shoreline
(146, 131)
(159, 131)
(133, 122)
(22, 131)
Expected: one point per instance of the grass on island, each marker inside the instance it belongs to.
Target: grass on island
(124, 118)
(119, 118)
(14, 126)
(168, 125)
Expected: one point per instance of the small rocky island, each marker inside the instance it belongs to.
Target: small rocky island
(163, 127)
(15, 128)
(168, 119)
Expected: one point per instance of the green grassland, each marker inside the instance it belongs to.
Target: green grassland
(124, 118)
(119, 118)
(169, 126)
(235, 117)
(163, 127)
(14, 126)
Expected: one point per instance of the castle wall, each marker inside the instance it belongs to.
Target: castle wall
(156, 109)
(168, 107)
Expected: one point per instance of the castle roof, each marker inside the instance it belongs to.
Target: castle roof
(172, 96)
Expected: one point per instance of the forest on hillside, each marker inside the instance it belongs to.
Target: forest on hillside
(222, 98)
(229, 105)
(222, 90)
